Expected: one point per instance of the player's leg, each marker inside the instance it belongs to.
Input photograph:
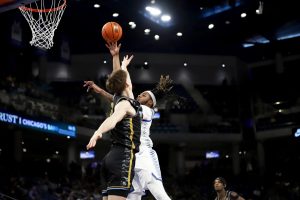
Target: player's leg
(134, 196)
(104, 177)
(137, 190)
(120, 163)
(104, 198)
(154, 185)
(154, 179)
(115, 197)
(157, 189)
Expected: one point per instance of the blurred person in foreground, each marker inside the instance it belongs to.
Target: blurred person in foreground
(223, 194)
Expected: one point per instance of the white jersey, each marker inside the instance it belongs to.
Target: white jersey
(146, 141)
(147, 170)
(147, 158)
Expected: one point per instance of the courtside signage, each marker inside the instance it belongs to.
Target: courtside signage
(53, 127)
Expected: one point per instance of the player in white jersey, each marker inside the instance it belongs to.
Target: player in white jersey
(147, 169)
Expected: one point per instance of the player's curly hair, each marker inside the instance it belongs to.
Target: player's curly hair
(116, 82)
(163, 87)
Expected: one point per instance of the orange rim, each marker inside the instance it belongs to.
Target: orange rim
(44, 10)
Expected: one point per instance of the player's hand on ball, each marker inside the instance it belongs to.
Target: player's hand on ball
(113, 47)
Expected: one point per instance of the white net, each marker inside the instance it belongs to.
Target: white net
(43, 20)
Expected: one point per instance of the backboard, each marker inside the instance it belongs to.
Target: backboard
(6, 5)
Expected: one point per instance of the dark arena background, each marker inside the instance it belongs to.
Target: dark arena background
(235, 113)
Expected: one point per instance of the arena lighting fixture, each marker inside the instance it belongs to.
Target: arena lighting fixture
(223, 65)
(156, 37)
(257, 39)
(288, 36)
(115, 15)
(147, 31)
(243, 15)
(132, 25)
(260, 8)
(185, 64)
(145, 63)
(153, 11)
(104, 61)
(179, 34)
(165, 18)
(297, 132)
(96, 5)
(211, 26)
(212, 154)
(220, 8)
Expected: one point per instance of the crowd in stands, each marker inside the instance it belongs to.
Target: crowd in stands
(197, 184)
(69, 102)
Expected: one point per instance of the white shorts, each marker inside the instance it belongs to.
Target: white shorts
(146, 165)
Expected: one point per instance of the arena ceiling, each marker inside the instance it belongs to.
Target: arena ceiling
(261, 33)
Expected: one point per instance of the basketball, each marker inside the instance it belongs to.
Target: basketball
(112, 32)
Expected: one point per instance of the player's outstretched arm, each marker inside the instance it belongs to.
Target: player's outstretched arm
(125, 62)
(92, 86)
(114, 50)
(122, 109)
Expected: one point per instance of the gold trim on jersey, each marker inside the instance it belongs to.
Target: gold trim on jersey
(131, 150)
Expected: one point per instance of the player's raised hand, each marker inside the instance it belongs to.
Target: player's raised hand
(126, 61)
(114, 48)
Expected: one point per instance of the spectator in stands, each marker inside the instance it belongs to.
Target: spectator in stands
(222, 194)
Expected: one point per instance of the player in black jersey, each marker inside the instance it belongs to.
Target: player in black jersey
(222, 194)
(147, 169)
(125, 126)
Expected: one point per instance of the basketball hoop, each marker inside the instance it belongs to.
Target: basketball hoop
(43, 20)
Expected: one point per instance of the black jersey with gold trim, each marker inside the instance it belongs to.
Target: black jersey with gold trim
(127, 132)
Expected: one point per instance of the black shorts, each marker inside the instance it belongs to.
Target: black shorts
(118, 171)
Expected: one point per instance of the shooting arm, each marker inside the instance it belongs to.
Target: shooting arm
(116, 62)
(114, 50)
